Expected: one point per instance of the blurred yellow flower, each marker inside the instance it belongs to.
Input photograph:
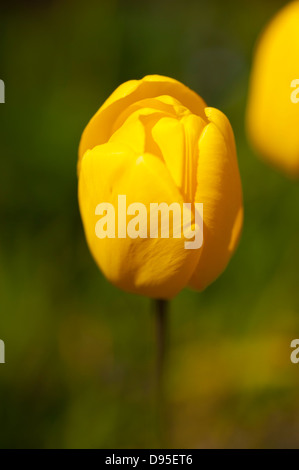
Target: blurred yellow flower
(273, 105)
(154, 140)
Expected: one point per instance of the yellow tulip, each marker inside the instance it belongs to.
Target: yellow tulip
(154, 140)
(273, 104)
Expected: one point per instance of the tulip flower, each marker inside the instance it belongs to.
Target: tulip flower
(273, 102)
(155, 141)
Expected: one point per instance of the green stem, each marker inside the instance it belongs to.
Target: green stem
(161, 324)
(161, 310)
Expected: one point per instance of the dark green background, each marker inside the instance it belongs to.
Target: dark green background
(80, 354)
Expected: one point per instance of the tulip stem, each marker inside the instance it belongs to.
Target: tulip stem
(161, 335)
(161, 317)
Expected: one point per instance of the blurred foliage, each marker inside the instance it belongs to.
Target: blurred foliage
(80, 353)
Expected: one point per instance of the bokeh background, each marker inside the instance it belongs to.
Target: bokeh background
(80, 354)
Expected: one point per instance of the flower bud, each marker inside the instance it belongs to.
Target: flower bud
(273, 102)
(155, 145)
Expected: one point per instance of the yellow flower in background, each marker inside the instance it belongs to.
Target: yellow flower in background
(155, 141)
(273, 104)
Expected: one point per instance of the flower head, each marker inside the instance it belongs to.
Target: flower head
(155, 141)
(273, 103)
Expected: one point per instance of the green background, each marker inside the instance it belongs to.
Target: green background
(80, 354)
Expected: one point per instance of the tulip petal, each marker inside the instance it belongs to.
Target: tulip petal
(156, 267)
(133, 127)
(219, 189)
(99, 128)
(177, 140)
(165, 104)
